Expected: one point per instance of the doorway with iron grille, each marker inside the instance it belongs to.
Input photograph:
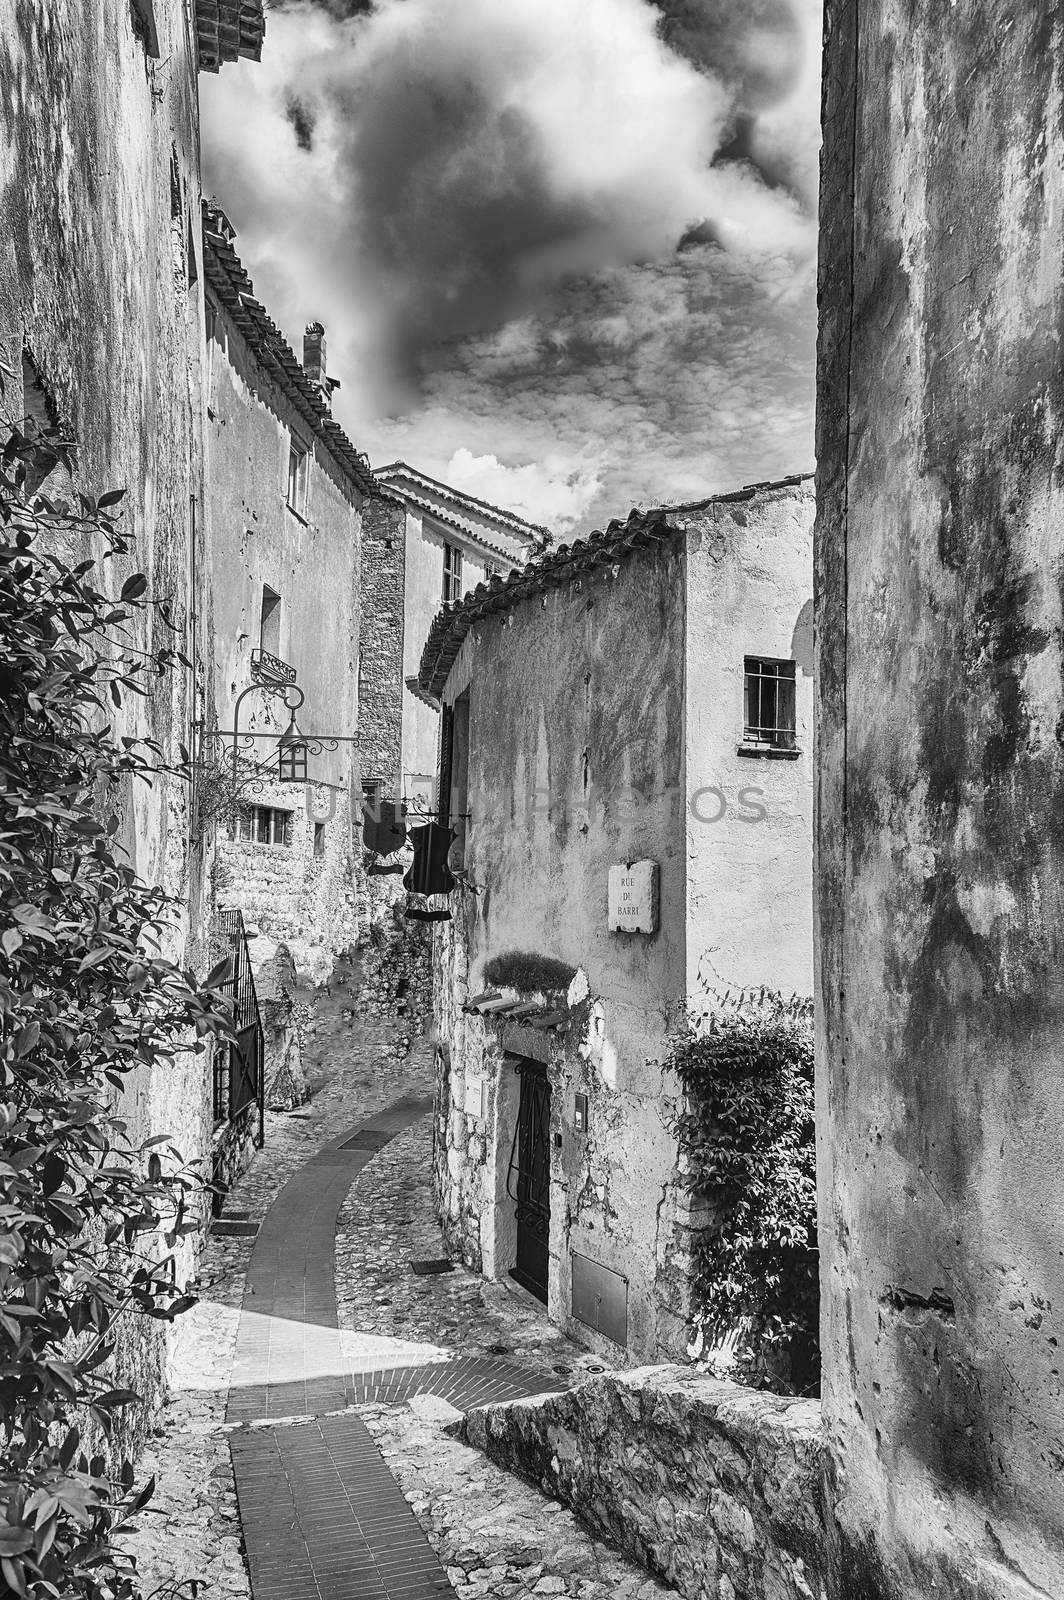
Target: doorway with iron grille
(528, 1179)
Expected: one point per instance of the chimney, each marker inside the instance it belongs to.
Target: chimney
(314, 361)
(314, 353)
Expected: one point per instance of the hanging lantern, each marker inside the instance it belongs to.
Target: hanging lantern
(292, 755)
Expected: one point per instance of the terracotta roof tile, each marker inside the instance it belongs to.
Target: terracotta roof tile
(553, 568)
(228, 29)
(396, 473)
(226, 275)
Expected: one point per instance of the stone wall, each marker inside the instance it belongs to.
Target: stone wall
(291, 896)
(941, 775)
(395, 977)
(715, 1488)
(380, 663)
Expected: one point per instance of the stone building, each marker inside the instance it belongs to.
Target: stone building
(628, 768)
(285, 497)
(101, 323)
(425, 545)
(941, 792)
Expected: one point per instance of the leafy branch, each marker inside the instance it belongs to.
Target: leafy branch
(746, 1130)
(90, 1220)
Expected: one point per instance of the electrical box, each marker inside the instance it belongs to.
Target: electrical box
(600, 1298)
(580, 1117)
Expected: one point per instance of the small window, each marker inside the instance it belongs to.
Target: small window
(768, 703)
(264, 825)
(270, 621)
(319, 841)
(372, 794)
(145, 26)
(298, 458)
(452, 573)
(490, 569)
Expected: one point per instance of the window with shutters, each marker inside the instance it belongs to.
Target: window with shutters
(452, 573)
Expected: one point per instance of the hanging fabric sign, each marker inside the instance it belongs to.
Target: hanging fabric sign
(429, 873)
(383, 828)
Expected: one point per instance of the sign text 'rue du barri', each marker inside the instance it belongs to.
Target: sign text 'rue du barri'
(633, 897)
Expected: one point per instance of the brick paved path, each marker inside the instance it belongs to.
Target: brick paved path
(288, 1360)
(328, 1502)
(322, 1515)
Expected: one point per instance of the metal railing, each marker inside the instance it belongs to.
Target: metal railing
(239, 1078)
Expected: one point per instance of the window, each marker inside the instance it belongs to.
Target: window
(458, 776)
(145, 26)
(270, 621)
(210, 328)
(264, 825)
(372, 793)
(768, 703)
(319, 841)
(490, 569)
(298, 458)
(452, 573)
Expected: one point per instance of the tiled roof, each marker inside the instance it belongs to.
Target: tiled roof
(411, 484)
(228, 29)
(492, 1003)
(553, 568)
(227, 277)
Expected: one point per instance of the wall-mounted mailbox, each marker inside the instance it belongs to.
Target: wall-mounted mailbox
(600, 1298)
(580, 1115)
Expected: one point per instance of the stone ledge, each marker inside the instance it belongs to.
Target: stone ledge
(714, 1487)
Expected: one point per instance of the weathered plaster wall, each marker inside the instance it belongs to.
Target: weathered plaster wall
(312, 562)
(749, 820)
(576, 762)
(941, 859)
(425, 539)
(714, 1487)
(99, 191)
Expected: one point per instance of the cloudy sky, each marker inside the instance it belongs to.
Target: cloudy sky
(564, 250)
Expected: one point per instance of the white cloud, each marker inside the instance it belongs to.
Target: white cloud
(482, 199)
(552, 491)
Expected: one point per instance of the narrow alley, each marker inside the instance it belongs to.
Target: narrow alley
(311, 1447)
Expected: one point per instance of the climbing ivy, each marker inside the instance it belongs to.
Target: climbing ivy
(89, 1221)
(747, 1138)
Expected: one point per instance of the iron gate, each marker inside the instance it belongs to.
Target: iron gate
(528, 1180)
(238, 1072)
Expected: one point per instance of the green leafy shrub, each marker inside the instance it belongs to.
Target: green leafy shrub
(89, 1223)
(746, 1129)
(528, 972)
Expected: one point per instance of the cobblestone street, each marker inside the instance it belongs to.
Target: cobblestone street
(335, 1386)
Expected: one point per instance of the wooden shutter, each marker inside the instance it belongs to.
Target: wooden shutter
(443, 798)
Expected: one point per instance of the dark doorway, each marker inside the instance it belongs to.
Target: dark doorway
(528, 1183)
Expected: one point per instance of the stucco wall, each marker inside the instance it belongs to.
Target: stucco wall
(941, 863)
(749, 820)
(425, 539)
(576, 763)
(312, 562)
(98, 283)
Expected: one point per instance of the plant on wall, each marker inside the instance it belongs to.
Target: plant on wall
(89, 1221)
(746, 1135)
(528, 972)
